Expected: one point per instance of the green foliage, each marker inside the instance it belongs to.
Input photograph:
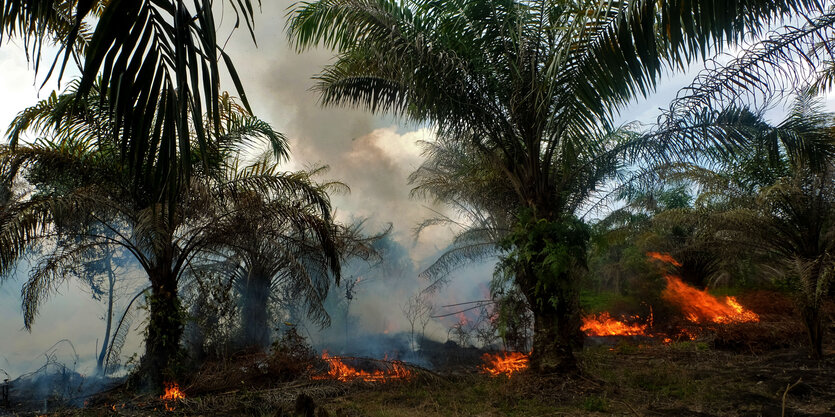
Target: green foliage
(595, 302)
(513, 321)
(596, 403)
(545, 253)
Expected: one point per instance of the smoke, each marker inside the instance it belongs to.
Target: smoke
(367, 310)
(372, 154)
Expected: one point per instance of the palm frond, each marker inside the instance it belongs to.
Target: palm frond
(785, 62)
(455, 257)
(120, 335)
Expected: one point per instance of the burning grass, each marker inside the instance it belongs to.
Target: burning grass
(506, 363)
(663, 258)
(339, 370)
(699, 306)
(701, 310)
(604, 325)
(683, 378)
(172, 394)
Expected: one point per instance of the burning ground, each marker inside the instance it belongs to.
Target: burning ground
(681, 378)
(705, 355)
(728, 369)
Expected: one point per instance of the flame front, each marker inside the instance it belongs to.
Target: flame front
(504, 363)
(664, 257)
(605, 325)
(701, 307)
(340, 371)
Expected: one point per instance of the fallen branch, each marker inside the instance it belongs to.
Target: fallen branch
(786, 393)
(631, 408)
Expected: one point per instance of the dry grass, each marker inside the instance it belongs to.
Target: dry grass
(681, 379)
(740, 370)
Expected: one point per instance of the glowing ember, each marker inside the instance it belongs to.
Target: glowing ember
(504, 363)
(340, 371)
(664, 257)
(605, 325)
(701, 307)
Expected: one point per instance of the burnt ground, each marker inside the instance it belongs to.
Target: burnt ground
(680, 379)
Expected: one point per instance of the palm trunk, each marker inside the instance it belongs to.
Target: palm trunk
(810, 273)
(814, 329)
(255, 312)
(111, 280)
(556, 327)
(551, 253)
(556, 332)
(165, 327)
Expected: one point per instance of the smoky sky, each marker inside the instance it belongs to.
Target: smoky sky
(372, 154)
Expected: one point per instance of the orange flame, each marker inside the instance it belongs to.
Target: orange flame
(664, 257)
(340, 371)
(699, 306)
(605, 325)
(504, 363)
(172, 392)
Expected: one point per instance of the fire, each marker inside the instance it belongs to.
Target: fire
(700, 307)
(172, 392)
(697, 306)
(664, 257)
(605, 325)
(340, 371)
(504, 363)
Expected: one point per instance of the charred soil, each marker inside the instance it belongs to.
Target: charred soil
(681, 378)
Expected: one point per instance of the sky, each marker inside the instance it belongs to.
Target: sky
(372, 154)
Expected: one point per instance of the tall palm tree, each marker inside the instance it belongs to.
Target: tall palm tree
(278, 243)
(533, 86)
(100, 191)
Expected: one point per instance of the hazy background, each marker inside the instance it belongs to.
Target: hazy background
(373, 155)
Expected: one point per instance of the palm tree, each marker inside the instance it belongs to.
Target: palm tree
(485, 206)
(278, 243)
(99, 191)
(791, 58)
(776, 204)
(533, 86)
(794, 227)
